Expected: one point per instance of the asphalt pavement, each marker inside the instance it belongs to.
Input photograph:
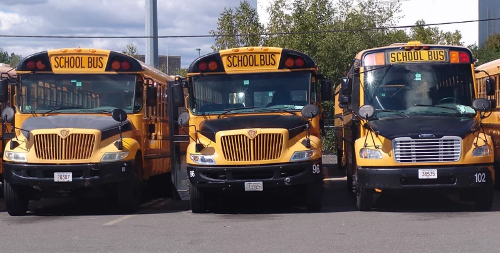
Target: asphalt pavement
(257, 223)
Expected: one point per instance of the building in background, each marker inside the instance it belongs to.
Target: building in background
(488, 9)
(173, 65)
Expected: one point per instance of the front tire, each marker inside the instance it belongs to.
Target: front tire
(314, 193)
(198, 199)
(129, 192)
(484, 198)
(16, 200)
(364, 199)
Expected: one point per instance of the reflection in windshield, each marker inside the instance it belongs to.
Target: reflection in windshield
(421, 89)
(79, 93)
(217, 94)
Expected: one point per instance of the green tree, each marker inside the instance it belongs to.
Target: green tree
(4, 56)
(432, 35)
(181, 72)
(489, 51)
(130, 49)
(15, 59)
(232, 24)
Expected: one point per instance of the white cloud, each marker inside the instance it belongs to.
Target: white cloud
(109, 18)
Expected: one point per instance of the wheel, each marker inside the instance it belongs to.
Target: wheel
(314, 193)
(16, 199)
(198, 199)
(129, 192)
(349, 183)
(364, 199)
(484, 198)
(339, 160)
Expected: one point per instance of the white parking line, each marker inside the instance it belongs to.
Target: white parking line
(113, 222)
(335, 179)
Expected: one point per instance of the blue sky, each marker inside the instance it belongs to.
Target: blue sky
(110, 18)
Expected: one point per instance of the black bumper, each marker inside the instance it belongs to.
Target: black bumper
(407, 177)
(271, 176)
(84, 175)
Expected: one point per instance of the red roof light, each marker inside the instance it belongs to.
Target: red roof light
(464, 57)
(30, 64)
(202, 66)
(125, 65)
(299, 62)
(40, 64)
(289, 62)
(115, 65)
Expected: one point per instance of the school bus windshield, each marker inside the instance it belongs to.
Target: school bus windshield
(217, 93)
(420, 89)
(79, 93)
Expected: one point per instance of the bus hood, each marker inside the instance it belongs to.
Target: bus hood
(424, 127)
(293, 123)
(107, 125)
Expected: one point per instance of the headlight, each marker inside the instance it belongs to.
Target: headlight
(16, 156)
(114, 156)
(202, 159)
(484, 150)
(302, 155)
(367, 153)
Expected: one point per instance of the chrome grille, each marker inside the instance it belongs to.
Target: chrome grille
(73, 147)
(408, 150)
(237, 148)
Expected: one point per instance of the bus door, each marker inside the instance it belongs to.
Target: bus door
(179, 140)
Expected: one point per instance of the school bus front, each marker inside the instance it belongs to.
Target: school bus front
(254, 120)
(410, 122)
(85, 122)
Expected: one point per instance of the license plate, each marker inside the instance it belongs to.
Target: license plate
(427, 174)
(63, 176)
(254, 186)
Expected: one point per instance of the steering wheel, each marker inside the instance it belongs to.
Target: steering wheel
(444, 99)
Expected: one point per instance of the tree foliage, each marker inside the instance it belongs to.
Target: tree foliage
(130, 49)
(12, 59)
(432, 35)
(243, 20)
(489, 51)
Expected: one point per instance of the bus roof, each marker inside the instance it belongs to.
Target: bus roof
(492, 67)
(102, 60)
(4, 68)
(408, 44)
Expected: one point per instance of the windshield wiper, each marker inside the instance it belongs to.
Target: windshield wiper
(235, 109)
(396, 111)
(62, 108)
(440, 106)
(278, 110)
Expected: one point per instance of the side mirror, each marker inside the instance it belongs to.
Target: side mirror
(481, 104)
(344, 91)
(310, 111)
(118, 115)
(151, 96)
(178, 95)
(493, 103)
(4, 91)
(326, 90)
(490, 86)
(7, 114)
(366, 111)
(183, 119)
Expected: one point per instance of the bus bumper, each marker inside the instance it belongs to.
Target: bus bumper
(408, 177)
(271, 176)
(83, 175)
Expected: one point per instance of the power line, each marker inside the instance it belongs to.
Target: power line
(241, 35)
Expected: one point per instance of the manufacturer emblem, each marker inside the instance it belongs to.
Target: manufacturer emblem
(426, 136)
(252, 133)
(64, 133)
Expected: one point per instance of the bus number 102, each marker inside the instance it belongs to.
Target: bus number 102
(480, 177)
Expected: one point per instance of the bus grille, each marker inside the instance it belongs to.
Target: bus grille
(237, 148)
(73, 147)
(408, 150)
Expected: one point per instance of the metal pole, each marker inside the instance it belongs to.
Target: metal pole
(198, 49)
(151, 56)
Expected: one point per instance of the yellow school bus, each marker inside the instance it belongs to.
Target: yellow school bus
(85, 121)
(8, 74)
(254, 122)
(410, 122)
(488, 81)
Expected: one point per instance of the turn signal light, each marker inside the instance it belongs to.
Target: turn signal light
(459, 57)
(40, 64)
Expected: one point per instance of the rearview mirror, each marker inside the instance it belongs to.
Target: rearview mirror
(8, 114)
(481, 104)
(366, 111)
(183, 119)
(326, 90)
(310, 111)
(151, 96)
(119, 115)
(344, 97)
(490, 86)
(4, 91)
(178, 95)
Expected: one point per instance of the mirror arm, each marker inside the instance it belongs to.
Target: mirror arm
(119, 143)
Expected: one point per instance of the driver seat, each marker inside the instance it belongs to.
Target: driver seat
(115, 100)
(280, 97)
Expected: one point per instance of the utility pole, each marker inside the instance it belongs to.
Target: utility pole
(151, 56)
